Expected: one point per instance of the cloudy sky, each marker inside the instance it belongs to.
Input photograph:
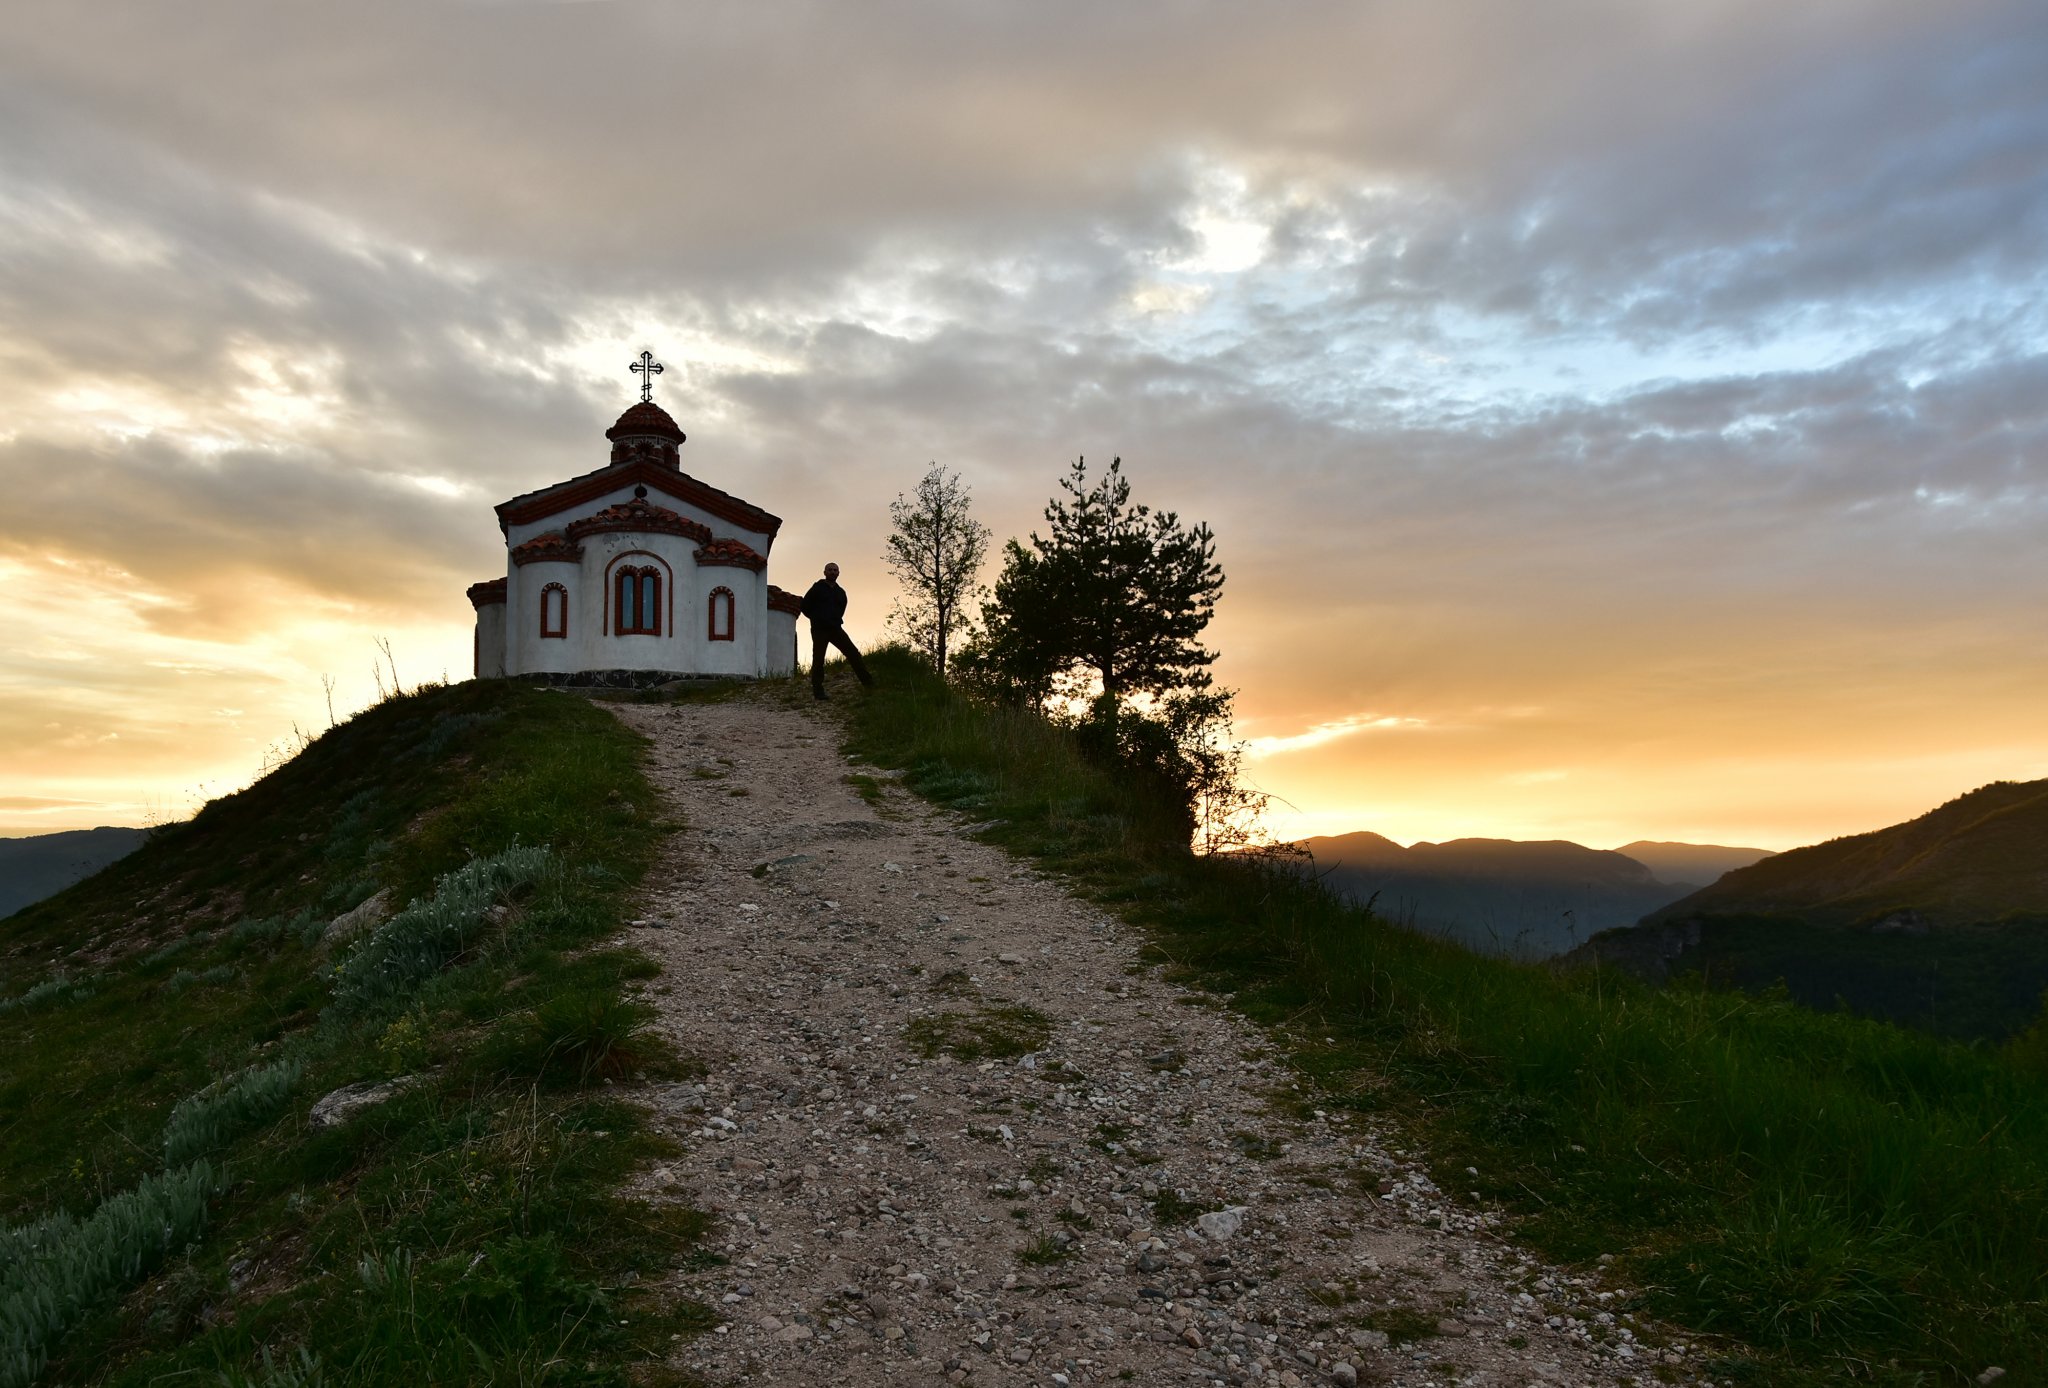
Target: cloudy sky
(1619, 419)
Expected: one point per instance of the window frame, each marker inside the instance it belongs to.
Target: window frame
(646, 581)
(731, 632)
(561, 630)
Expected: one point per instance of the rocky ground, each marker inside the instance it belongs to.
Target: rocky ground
(954, 1131)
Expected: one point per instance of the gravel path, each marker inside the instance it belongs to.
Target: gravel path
(1119, 1183)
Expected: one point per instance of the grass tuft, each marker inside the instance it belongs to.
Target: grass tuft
(866, 787)
(581, 1038)
(987, 1033)
(1045, 1251)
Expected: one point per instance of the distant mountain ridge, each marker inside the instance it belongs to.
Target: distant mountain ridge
(1500, 896)
(1974, 860)
(1698, 863)
(42, 865)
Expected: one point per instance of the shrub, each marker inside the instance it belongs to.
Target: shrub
(403, 1047)
(185, 978)
(305, 927)
(56, 1270)
(391, 962)
(227, 1108)
(163, 954)
(52, 989)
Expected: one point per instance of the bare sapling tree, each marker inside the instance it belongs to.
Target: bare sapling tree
(327, 683)
(384, 645)
(935, 551)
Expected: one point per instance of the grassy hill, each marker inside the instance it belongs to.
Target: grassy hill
(1821, 1199)
(1523, 900)
(1979, 858)
(169, 1214)
(39, 865)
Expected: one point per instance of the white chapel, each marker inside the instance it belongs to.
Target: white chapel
(634, 574)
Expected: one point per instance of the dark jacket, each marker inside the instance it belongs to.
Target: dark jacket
(825, 605)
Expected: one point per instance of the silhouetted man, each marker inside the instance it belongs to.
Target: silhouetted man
(825, 605)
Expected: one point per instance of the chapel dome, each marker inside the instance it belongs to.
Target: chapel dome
(645, 419)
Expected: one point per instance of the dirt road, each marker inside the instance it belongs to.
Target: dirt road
(954, 1131)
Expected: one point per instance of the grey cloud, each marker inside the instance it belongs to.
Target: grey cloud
(932, 220)
(239, 540)
(762, 143)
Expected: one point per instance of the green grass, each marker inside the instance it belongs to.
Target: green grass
(1044, 1251)
(1171, 1210)
(1403, 1325)
(866, 787)
(987, 1033)
(1837, 1199)
(186, 1002)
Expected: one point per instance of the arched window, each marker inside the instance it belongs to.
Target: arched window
(636, 599)
(721, 614)
(554, 610)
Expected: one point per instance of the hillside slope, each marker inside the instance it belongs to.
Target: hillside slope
(175, 1203)
(1979, 858)
(41, 865)
(1519, 899)
(1940, 923)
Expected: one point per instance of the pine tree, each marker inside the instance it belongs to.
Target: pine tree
(1114, 589)
(1121, 593)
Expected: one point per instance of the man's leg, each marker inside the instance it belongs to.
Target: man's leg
(818, 644)
(852, 654)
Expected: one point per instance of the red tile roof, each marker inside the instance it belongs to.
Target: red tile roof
(552, 501)
(553, 547)
(639, 517)
(645, 417)
(732, 554)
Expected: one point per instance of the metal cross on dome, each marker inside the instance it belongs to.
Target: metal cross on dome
(648, 368)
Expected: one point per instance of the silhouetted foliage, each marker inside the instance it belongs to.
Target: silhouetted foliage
(1115, 590)
(1110, 606)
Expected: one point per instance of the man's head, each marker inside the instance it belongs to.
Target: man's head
(832, 572)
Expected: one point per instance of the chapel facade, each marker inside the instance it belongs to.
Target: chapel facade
(634, 574)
